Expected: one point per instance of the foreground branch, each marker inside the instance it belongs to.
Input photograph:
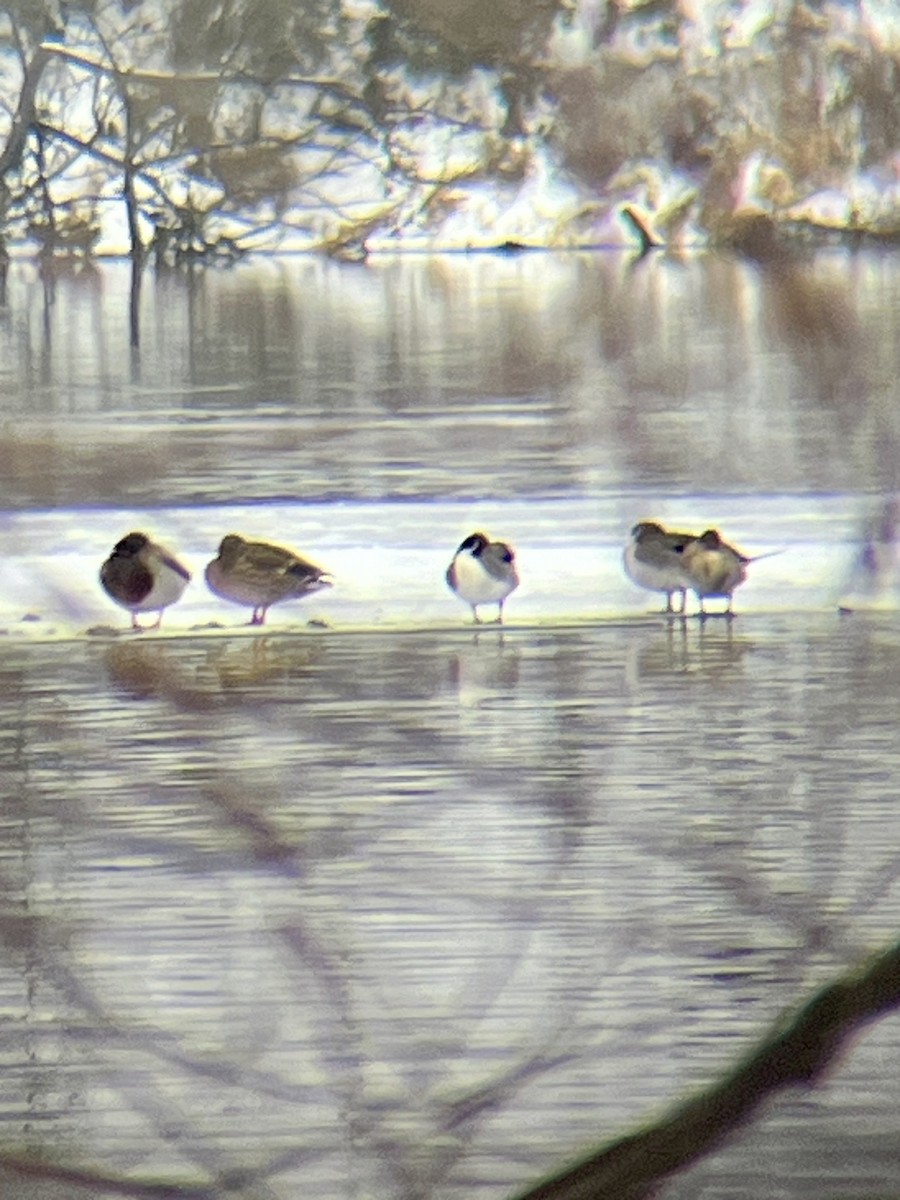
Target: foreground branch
(797, 1053)
(99, 1183)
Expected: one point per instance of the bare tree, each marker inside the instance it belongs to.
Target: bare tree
(216, 128)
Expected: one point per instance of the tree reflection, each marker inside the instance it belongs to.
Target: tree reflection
(431, 914)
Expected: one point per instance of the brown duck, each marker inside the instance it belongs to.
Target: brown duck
(260, 574)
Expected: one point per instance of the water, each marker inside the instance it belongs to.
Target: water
(398, 907)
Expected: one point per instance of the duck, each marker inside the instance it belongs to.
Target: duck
(713, 568)
(653, 559)
(483, 572)
(143, 576)
(260, 574)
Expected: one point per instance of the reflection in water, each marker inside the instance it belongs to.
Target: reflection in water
(262, 662)
(147, 670)
(456, 377)
(426, 914)
(875, 575)
(488, 663)
(710, 648)
(431, 913)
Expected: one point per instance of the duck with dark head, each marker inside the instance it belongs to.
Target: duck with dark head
(483, 572)
(142, 576)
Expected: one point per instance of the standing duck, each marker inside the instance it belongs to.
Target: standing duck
(654, 559)
(713, 568)
(260, 574)
(483, 572)
(143, 576)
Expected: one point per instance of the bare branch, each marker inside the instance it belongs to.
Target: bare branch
(24, 117)
(794, 1054)
(326, 83)
(97, 1182)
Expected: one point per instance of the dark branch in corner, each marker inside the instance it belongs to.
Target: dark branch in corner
(795, 1054)
(97, 1182)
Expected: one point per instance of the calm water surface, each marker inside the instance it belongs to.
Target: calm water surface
(426, 913)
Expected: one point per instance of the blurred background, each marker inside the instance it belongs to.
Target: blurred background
(187, 127)
(373, 902)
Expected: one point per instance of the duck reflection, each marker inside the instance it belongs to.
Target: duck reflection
(195, 678)
(686, 648)
(482, 667)
(148, 670)
(251, 663)
(717, 650)
(663, 652)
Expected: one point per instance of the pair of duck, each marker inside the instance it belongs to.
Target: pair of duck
(143, 576)
(663, 560)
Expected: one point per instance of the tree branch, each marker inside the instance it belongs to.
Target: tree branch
(96, 1182)
(794, 1054)
(24, 117)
